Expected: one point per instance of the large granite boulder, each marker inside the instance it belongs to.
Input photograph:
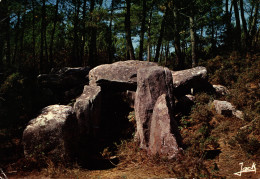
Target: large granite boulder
(227, 109)
(120, 75)
(88, 109)
(190, 80)
(52, 134)
(152, 82)
(164, 130)
(65, 84)
(65, 78)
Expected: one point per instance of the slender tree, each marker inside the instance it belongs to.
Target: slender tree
(55, 19)
(43, 59)
(193, 42)
(2, 33)
(177, 38)
(228, 24)
(212, 39)
(238, 27)
(33, 32)
(8, 40)
(129, 44)
(83, 33)
(159, 43)
(142, 31)
(110, 51)
(17, 34)
(253, 26)
(93, 44)
(20, 60)
(149, 35)
(244, 24)
(75, 52)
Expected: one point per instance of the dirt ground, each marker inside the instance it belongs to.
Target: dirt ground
(223, 165)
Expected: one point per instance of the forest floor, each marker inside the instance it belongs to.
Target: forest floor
(213, 145)
(139, 165)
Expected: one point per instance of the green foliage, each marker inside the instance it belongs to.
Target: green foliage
(241, 75)
(185, 122)
(12, 81)
(11, 98)
(203, 98)
(201, 113)
(20, 99)
(249, 144)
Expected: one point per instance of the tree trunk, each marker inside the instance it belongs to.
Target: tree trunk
(167, 50)
(92, 45)
(128, 30)
(162, 53)
(177, 38)
(149, 36)
(142, 31)
(53, 33)
(229, 38)
(8, 46)
(201, 40)
(43, 61)
(250, 18)
(244, 24)
(20, 60)
(238, 27)
(46, 46)
(75, 53)
(159, 43)
(17, 34)
(83, 34)
(33, 33)
(255, 40)
(2, 37)
(213, 41)
(254, 23)
(110, 41)
(193, 42)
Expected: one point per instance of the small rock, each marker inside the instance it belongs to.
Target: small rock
(238, 114)
(227, 109)
(222, 90)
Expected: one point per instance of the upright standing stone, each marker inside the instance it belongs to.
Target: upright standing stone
(88, 108)
(152, 82)
(164, 131)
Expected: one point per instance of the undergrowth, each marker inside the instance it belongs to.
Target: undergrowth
(241, 76)
(202, 130)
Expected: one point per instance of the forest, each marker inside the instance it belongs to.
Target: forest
(44, 36)
(41, 35)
